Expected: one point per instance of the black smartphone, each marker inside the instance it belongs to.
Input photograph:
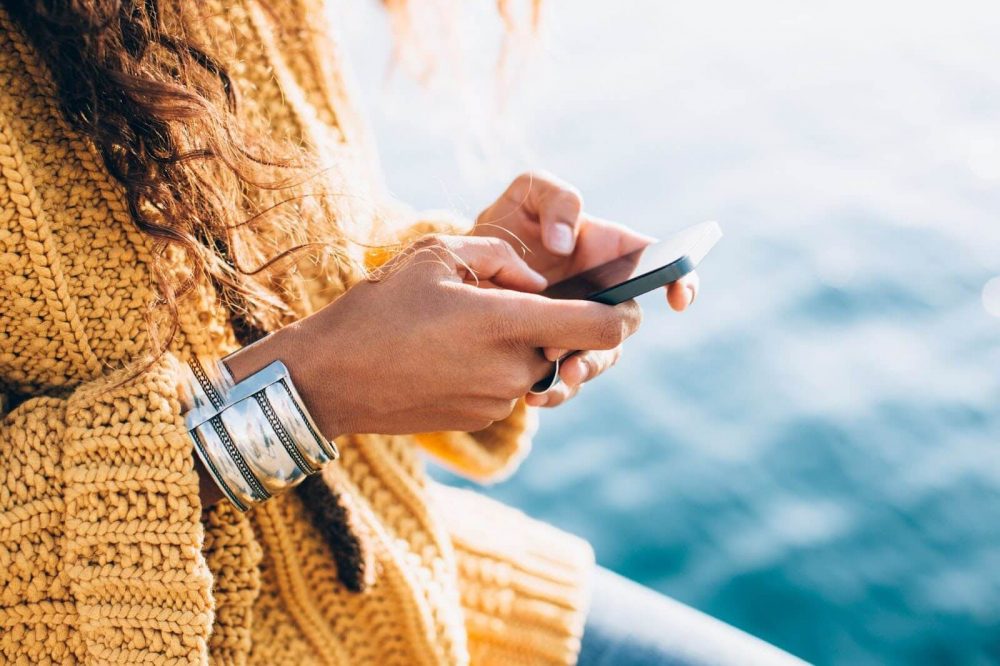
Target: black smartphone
(646, 269)
(633, 274)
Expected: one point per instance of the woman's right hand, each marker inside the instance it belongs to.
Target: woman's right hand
(429, 346)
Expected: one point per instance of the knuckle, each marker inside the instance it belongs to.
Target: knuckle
(633, 317)
(627, 317)
(532, 176)
(519, 188)
(498, 246)
(536, 179)
(508, 250)
(592, 365)
(501, 409)
(598, 363)
(552, 187)
(428, 242)
(569, 197)
(433, 244)
(610, 331)
(475, 424)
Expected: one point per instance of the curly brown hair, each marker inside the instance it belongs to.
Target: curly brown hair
(164, 114)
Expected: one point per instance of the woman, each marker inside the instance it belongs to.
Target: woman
(179, 179)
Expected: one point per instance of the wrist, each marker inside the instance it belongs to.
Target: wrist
(297, 347)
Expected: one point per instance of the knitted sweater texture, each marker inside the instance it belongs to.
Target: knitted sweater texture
(105, 554)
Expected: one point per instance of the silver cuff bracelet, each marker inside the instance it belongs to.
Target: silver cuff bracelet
(255, 437)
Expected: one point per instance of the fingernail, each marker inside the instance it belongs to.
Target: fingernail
(692, 293)
(561, 238)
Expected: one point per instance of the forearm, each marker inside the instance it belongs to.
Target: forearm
(320, 371)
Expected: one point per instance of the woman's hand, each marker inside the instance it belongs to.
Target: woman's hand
(544, 217)
(426, 347)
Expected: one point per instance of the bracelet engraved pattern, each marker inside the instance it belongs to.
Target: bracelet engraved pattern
(255, 437)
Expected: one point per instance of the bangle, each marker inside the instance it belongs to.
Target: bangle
(212, 382)
(255, 437)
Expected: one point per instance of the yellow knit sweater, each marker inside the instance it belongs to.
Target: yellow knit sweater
(104, 554)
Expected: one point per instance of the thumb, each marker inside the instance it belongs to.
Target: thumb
(555, 203)
(496, 261)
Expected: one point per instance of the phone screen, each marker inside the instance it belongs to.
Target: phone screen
(681, 252)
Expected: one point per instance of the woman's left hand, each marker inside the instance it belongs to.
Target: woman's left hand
(544, 217)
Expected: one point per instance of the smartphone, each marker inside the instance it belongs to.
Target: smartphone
(633, 274)
(643, 270)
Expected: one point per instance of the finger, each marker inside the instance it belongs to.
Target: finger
(567, 324)
(681, 294)
(555, 203)
(493, 260)
(554, 397)
(585, 366)
(552, 354)
(561, 394)
(536, 399)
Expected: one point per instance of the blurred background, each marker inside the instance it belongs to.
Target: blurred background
(811, 453)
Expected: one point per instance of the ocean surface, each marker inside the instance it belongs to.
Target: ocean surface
(812, 453)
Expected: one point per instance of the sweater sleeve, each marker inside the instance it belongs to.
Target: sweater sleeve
(100, 532)
(524, 584)
(487, 455)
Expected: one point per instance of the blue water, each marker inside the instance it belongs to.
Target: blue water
(810, 453)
